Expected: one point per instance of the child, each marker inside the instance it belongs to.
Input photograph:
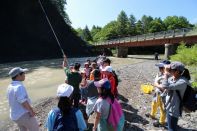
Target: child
(157, 99)
(109, 114)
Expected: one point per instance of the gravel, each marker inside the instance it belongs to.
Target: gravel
(135, 104)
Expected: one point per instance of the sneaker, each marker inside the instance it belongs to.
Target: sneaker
(150, 116)
(158, 124)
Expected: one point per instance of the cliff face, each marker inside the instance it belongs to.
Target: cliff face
(26, 35)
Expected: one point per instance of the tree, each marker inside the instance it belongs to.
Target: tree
(146, 20)
(156, 25)
(139, 28)
(79, 32)
(86, 34)
(132, 29)
(109, 31)
(123, 24)
(60, 5)
(175, 22)
(94, 31)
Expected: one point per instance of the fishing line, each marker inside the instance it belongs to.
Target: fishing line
(51, 27)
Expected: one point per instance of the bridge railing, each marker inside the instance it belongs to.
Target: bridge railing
(150, 36)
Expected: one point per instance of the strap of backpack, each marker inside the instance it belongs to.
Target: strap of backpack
(181, 103)
(169, 100)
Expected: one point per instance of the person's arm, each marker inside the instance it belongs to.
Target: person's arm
(80, 121)
(65, 62)
(96, 121)
(27, 106)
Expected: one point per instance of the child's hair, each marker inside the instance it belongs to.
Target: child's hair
(186, 74)
(107, 93)
(77, 66)
(64, 105)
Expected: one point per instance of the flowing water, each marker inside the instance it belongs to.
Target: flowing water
(41, 81)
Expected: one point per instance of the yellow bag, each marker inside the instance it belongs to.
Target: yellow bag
(147, 88)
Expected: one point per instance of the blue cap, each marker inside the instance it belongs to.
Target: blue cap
(177, 66)
(163, 63)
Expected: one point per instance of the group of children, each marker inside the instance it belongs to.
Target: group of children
(95, 86)
(173, 78)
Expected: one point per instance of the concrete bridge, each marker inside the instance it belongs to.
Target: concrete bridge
(169, 39)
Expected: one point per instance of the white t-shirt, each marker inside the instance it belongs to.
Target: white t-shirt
(102, 106)
(17, 94)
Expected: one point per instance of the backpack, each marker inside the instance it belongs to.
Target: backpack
(115, 117)
(189, 101)
(115, 77)
(67, 123)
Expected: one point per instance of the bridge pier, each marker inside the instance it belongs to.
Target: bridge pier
(122, 52)
(170, 49)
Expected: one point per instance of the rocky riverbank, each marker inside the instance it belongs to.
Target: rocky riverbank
(135, 104)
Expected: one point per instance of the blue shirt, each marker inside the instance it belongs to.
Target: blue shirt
(52, 116)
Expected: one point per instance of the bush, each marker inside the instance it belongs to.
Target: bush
(188, 56)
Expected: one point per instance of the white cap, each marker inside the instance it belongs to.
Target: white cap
(107, 68)
(17, 70)
(64, 90)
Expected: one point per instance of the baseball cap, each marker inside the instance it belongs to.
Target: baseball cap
(64, 90)
(163, 63)
(177, 66)
(17, 70)
(103, 83)
(107, 68)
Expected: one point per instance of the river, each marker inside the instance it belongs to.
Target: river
(41, 81)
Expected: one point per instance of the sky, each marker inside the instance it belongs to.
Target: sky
(101, 12)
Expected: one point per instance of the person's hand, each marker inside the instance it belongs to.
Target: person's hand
(167, 70)
(94, 129)
(32, 113)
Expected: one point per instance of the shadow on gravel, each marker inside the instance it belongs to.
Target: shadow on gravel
(184, 129)
(131, 115)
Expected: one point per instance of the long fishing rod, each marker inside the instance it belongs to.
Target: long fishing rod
(51, 27)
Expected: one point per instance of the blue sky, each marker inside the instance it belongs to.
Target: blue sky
(101, 12)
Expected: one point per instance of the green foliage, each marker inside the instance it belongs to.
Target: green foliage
(186, 55)
(139, 28)
(94, 31)
(60, 5)
(156, 25)
(86, 34)
(175, 22)
(110, 31)
(146, 20)
(194, 85)
(123, 24)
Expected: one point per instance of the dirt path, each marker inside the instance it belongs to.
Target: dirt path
(132, 73)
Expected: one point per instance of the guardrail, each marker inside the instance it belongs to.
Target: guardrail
(151, 36)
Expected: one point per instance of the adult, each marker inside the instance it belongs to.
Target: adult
(178, 82)
(109, 114)
(92, 93)
(21, 111)
(64, 116)
(74, 78)
(107, 72)
(158, 97)
(93, 66)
